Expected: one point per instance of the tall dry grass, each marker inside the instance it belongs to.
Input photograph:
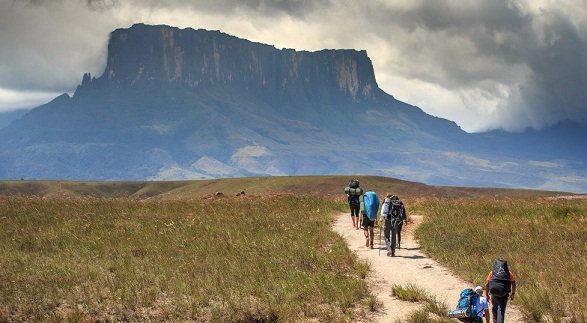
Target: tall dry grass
(543, 239)
(223, 260)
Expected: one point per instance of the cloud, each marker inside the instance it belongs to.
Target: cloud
(483, 64)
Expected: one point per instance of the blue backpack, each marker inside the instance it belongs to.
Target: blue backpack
(466, 310)
(370, 205)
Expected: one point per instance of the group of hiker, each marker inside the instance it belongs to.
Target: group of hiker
(364, 207)
(500, 285)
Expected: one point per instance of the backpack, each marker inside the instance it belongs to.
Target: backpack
(354, 183)
(466, 310)
(385, 208)
(500, 284)
(369, 204)
(354, 199)
(396, 209)
(353, 191)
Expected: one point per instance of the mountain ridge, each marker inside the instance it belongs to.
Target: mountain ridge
(193, 104)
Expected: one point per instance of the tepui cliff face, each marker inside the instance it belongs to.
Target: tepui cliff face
(161, 56)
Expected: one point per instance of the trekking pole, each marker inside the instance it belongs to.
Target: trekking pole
(379, 238)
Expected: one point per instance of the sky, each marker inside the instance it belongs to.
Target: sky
(499, 64)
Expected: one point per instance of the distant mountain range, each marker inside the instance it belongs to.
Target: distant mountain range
(195, 104)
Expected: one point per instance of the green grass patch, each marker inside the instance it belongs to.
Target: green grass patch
(431, 311)
(233, 259)
(544, 241)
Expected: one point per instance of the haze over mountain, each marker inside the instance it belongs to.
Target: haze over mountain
(195, 104)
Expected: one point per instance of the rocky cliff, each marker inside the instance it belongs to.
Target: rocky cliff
(162, 56)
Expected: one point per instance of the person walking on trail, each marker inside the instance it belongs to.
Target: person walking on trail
(398, 206)
(369, 207)
(499, 287)
(353, 192)
(394, 213)
(481, 306)
(387, 229)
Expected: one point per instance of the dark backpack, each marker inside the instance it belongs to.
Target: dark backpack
(396, 209)
(354, 200)
(466, 310)
(500, 284)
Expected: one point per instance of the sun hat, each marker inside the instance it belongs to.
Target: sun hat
(479, 290)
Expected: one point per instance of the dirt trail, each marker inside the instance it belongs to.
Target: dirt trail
(409, 266)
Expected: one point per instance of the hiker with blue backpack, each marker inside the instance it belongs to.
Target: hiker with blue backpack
(499, 287)
(369, 205)
(472, 306)
(482, 305)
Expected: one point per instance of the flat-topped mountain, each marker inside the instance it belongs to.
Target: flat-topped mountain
(195, 104)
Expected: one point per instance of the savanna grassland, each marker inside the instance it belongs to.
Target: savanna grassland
(543, 239)
(193, 251)
(217, 260)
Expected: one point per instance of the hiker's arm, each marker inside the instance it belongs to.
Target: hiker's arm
(513, 290)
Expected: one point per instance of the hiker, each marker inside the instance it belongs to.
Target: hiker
(499, 286)
(394, 213)
(369, 207)
(353, 192)
(482, 307)
(399, 205)
(472, 306)
(388, 226)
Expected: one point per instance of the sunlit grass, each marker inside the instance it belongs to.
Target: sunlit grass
(232, 259)
(431, 311)
(544, 241)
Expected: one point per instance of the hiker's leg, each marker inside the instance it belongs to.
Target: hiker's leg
(494, 305)
(393, 237)
(372, 233)
(503, 301)
(353, 215)
(386, 233)
(399, 234)
(495, 301)
(365, 225)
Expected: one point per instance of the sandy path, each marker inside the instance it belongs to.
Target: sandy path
(409, 266)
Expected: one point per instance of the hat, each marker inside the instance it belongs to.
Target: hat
(479, 290)
(388, 195)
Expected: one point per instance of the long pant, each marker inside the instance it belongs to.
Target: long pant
(399, 232)
(498, 305)
(390, 231)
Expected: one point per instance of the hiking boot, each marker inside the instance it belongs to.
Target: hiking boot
(371, 244)
(389, 253)
(367, 242)
(399, 246)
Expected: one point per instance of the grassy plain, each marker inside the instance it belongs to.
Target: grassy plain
(230, 259)
(543, 239)
(175, 251)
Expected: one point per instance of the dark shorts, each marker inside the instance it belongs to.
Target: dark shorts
(368, 223)
(355, 209)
